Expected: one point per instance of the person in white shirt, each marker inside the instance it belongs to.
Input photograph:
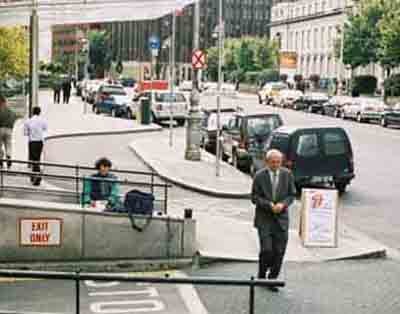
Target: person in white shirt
(35, 129)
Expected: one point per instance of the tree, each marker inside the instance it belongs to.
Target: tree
(100, 56)
(13, 52)
(362, 36)
(389, 27)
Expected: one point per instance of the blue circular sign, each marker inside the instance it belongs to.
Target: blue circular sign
(154, 42)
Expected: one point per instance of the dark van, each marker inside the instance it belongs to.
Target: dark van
(316, 156)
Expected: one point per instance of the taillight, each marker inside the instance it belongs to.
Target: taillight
(289, 164)
(243, 144)
(159, 107)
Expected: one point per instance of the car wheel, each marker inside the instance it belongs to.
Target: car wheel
(181, 122)
(252, 170)
(341, 187)
(260, 101)
(309, 109)
(96, 110)
(359, 118)
(384, 122)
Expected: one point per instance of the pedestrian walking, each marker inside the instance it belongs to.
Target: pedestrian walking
(66, 87)
(273, 192)
(7, 121)
(35, 128)
(57, 85)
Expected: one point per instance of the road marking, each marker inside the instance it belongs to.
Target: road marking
(152, 306)
(152, 293)
(25, 312)
(13, 280)
(190, 297)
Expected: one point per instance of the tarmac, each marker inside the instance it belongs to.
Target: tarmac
(219, 237)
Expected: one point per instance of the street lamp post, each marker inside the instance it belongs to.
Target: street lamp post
(193, 151)
(34, 58)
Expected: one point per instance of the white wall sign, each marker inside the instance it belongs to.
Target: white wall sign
(40, 231)
(319, 220)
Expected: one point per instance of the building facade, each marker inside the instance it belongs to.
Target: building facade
(313, 30)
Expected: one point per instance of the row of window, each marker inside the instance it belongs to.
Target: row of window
(305, 8)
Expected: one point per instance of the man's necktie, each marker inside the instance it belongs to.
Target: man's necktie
(274, 184)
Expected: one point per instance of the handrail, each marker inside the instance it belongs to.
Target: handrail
(78, 276)
(69, 166)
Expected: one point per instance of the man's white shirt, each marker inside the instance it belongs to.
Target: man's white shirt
(36, 129)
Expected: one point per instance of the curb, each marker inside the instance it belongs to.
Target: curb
(189, 186)
(96, 133)
(103, 265)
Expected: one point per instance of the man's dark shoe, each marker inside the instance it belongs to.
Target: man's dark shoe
(273, 289)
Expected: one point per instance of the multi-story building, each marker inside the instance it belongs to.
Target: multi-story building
(313, 29)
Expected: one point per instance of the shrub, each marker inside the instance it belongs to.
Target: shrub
(392, 85)
(252, 77)
(364, 84)
(269, 76)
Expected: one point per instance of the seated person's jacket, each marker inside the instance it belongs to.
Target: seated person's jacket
(101, 188)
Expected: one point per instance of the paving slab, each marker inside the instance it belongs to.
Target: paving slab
(169, 163)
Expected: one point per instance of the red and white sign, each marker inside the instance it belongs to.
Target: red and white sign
(198, 59)
(40, 231)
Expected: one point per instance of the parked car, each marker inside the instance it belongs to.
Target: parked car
(314, 102)
(334, 105)
(209, 126)
(391, 116)
(244, 134)
(315, 155)
(93, 90)
(111, 99)
(269, 90)
(286, 98)
(128, 82)
(363, 109)
(161, 105)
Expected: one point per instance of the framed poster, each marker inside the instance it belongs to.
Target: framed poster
(319, 218)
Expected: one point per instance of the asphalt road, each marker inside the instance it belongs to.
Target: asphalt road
(371, 203)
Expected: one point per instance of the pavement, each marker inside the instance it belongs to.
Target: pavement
(169, 162)
(219, 236)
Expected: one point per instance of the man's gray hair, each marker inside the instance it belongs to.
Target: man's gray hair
(273, 153)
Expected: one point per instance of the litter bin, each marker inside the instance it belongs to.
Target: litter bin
(145, 110)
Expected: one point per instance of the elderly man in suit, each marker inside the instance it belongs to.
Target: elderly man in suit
(273, 192)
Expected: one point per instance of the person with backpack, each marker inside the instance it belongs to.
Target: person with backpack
(7, 121)
(101, 187)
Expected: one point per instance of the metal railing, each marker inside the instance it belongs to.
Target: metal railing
(77, 179)
(78, 277)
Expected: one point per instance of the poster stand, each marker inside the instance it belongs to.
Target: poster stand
(319, 218)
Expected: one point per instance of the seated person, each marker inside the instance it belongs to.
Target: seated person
(100, 186)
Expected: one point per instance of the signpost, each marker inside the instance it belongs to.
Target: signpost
(319, 218)
(198, 60)
(154, 46)
(40, 232)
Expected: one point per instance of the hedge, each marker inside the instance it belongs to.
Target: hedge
(392, 85)
(364, 84)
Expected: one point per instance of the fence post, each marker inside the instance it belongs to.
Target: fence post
(77, 292)
(166, 199)
(251, 299)
(152, 182)
(2, 182)
(77, 183)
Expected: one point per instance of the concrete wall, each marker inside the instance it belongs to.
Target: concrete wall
(88, 236)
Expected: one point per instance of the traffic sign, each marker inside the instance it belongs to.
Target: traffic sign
(198, 59)
(154, 42)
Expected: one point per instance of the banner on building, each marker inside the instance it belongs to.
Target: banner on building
(319, 218)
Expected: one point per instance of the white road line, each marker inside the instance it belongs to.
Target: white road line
(190, 297)
(151, 292)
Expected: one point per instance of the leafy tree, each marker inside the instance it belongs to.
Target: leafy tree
(13, 52)
(389, 27)
(100, 56)
(362, 36)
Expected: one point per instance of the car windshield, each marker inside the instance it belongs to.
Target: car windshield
(335, 143)
(114, 90)
(166, 97)
(279, 142)
(261, 126)
(277, 87)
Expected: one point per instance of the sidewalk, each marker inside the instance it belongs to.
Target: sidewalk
(221, 237)
(170, 163)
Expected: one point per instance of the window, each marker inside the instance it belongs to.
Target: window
(335, 143)
(262, 126)
(307, 145)
(279, 142)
